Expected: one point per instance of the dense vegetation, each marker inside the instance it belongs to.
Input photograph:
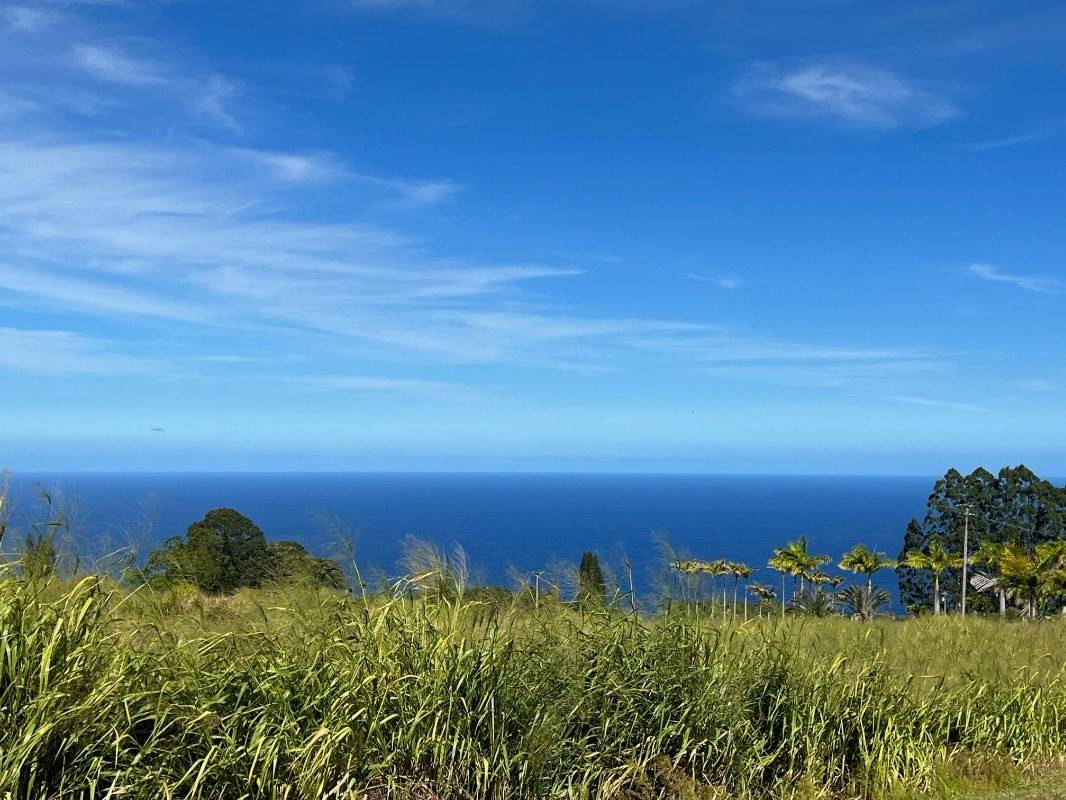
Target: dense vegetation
(233, 667)
(1015, 523)
(300, 693)
(226, 551)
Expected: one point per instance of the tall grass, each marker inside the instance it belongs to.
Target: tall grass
(300, 694)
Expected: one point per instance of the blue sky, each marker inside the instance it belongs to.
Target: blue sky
(588, 235)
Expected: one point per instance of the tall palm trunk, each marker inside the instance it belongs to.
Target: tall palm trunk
(745, 599)
(1002, 604)
(736, 589)
(782, 594)
(936, 594)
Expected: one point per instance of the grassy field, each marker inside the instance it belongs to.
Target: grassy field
(295, 693)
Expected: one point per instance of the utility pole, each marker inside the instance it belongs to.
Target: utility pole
(965, 553)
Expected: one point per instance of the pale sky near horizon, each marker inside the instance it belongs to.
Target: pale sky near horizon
(820, 237)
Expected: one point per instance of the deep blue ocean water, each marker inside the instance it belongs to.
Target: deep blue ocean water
(524, 520)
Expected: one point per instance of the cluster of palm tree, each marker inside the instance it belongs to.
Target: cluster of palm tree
(721, 568)
(813, 592)
(1028, 577)
(809, 582)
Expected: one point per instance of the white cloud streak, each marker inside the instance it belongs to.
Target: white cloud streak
(946, 405)
(1030, 283)
(722, 281)
(135, 231)
(1010, 141)
(209, 96)
(816, 372)
(211, 241)
(109, 64)
(858, 96)
(24, 19)
(60, 353)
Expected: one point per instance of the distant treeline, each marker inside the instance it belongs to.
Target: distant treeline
(1011, 524)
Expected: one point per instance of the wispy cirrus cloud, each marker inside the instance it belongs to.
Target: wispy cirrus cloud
(26, 19)
(722, 281)
(307, 256)
(209, 95)
(858, 96)
(144, 231)
(411, 387)
(814, 368)
(61, 352)
(1031, 283)
(947, 405)
(110, 64)
(1009, 141)
(203, 235)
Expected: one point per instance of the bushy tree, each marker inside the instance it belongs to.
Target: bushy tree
(226, 551)
(291, 563)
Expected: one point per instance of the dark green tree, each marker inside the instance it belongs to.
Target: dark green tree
(1028, 510)
(171, 562)
(226, 551)
(221, 553)
(291, 563)
(915, 585)
(590, 582)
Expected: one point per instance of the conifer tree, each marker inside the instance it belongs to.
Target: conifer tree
(591, 585)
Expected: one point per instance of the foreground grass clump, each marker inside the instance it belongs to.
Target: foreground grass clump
(304, 694)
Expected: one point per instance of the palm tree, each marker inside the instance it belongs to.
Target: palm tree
(765, 594)
(863, 603)
(863, 561)
(803, 560)
(685, 569)
(794, 559)
(783, 562)
(818, 603)
(936, 559)
(720, 567)
(1034, 575)
(741, 572)
(692, 569)
(820, 578)
(738, 571)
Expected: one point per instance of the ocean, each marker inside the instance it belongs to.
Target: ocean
(502, 521)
